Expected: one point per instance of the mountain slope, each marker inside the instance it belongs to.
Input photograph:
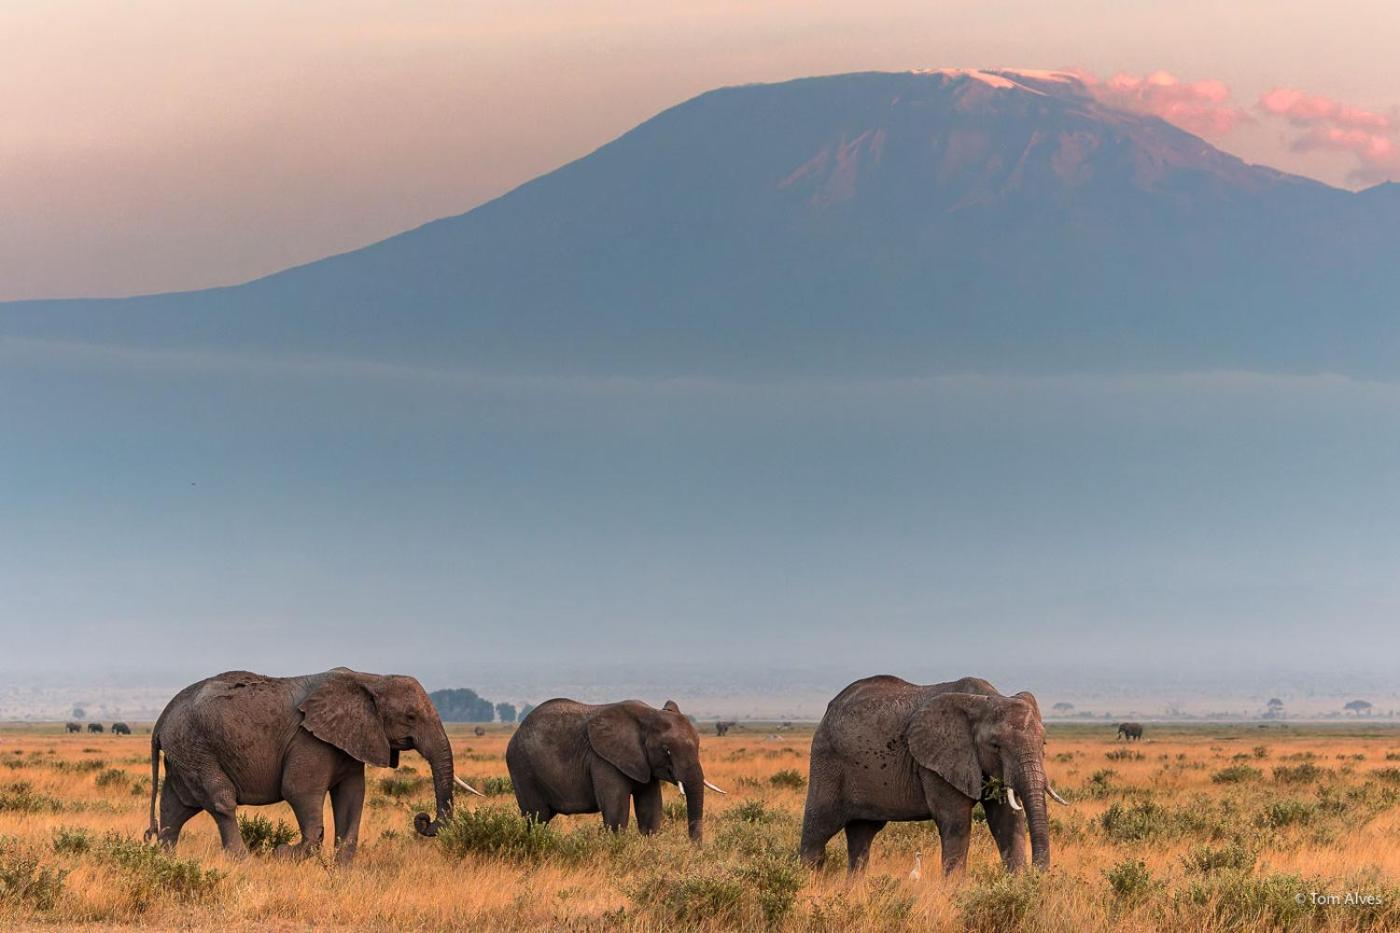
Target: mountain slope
(870, 224)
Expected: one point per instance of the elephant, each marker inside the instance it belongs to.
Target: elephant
(120, 728)
(571, 757)
(244, 738)
(722, 727)
(94, 727)
(72, 727)
(887, 750)
(1129, 731)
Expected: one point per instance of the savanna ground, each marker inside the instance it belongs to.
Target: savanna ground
(1209, 828)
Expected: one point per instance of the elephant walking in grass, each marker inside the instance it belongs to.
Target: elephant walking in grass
(888, 750)
(571, 757)
(243, 738)
(1129, 731)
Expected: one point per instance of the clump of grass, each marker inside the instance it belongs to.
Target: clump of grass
(1261, 751)
(1134, 822)
(25, 880)
(1125, 754)
(493, 786)
(1305, 773)
(758, 892)
(1130, 880)
(750, 811)
(1204, 859)
(1283, 813)
(113, 777)
(1391, 775)
(1236, 774)
(86, 766)
(261, 835)
(400, 786)
(1238, 900)
(152, 874)
(505, 834)
(20, 797)
(998, 902)
(886, 905)
(675, 811)
(72, 841)
(788, 777)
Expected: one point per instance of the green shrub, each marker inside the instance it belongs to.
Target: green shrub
(760, 891)
(153, 874)
(1130, 880)
(788, 777)
(1124, 754)
(750, 811)
(675, 811)
(1236, 774)
(998, 902)
(1283, 813)
(503, 833)
(1100, 784)
(1237, 900)
(401, 785)
(26, 881)
(20, 797)
(1261, 751)
(1205, 859)
(1140, 820)
(71, 841)
(1391, 775)
(1305, 773)
(78, 767)
(113, 777)
(261, 835)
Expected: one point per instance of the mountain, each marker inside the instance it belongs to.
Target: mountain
(863, 224)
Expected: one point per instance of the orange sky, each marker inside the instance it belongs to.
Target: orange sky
(151, 145)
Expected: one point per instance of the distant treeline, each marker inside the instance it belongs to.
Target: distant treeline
(463, 704)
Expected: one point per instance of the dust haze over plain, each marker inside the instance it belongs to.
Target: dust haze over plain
(674, 413)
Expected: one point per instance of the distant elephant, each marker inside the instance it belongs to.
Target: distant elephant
(243, 738)
(120, 728)
(72, 727)
(479, 732)
(94, 727)
(722, 728)
(571, 757)
(1129, 731)
(891, 750)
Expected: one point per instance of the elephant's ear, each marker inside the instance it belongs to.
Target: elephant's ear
(616, 736)
(342, 713)
(671, 707)
(940, 739)
(1030, 699)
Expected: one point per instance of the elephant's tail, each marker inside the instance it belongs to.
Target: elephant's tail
(153, 829)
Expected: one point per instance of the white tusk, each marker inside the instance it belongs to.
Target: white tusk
(1011, 799)
(467, 786)
(716, 789)
(1054, 796)
(680, 787)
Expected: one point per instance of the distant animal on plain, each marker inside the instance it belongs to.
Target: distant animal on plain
(891, 750)
(244, 738)
(1129, 731)
(479, 731)
(120, 728)
(570, 757)
(73, 727)
(95, 727)
(722, 727)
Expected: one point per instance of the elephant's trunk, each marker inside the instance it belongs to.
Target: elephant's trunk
(1031, 788)
(693, 782)
(437, 750)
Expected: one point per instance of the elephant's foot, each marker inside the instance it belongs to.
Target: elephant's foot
(345, 854)
(296, 853)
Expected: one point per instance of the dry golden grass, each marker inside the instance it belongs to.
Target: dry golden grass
(1332, 832)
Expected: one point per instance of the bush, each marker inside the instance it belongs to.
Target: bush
(153, 874)
(503, 833)
(1130, 880)
(401, 785)
(113, 777)
(1124, 754)
(998, 903)
(20, 797)
(493, 786)
(750, 811)
(1283, 813)
(26, 881)
(261, 835)
(1238, 900)
(1391, 775)
(762, 891)
(1236, 774)
(788, 777)
(1206, 859)
(71, 841)
(1100, 784)
(1305, 773)
(1131, 823)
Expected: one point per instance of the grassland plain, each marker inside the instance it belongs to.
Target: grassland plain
(1204, 828)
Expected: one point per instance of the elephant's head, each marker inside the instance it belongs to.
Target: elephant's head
(966, 738)
(648, 744)
(373, 717)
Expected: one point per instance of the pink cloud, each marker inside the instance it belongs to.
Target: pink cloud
(1327, 124)
(1201, 107)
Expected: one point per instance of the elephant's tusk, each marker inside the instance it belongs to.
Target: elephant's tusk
(1011, 799)
(680, 787)
(716, 789)
(467, 786)
(1054, 796)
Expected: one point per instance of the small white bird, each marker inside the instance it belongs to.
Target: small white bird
(918, 870)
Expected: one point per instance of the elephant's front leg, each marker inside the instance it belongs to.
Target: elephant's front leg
(646, 800)
(1009, 830)
(308, 809)
(347, 803)
(614, 793)
(952, 812)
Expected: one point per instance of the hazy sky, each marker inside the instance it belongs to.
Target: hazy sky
(151, 145)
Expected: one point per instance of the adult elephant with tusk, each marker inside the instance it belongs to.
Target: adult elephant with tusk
(243, 738)
(891, 750)
(571, 757)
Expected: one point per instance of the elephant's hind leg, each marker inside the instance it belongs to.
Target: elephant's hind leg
(174, 814)
(818, 826)
(222, 804)
(533, 804)
(347, 803)
(859, 835)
